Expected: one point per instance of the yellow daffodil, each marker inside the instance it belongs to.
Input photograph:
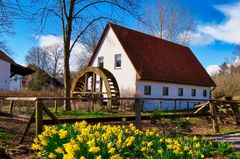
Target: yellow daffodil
(91, 143)
(116, 157)
(150, 144)
(111, 151)
(59, 150)
(160, 151)
(99, 157)
(62, 133)
(190, 152)
(36, 147)
(197, 145)
(44, 142)
(52, 156)
(195, 138)
(161, 140)
(143, 149)
(94, 149)
(186, 148)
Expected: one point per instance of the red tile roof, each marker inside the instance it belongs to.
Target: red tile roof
(157, 59)
(5, 57)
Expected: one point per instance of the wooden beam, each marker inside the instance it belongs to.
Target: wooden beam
(21, 98)
(85, 82)
(214, 117)
(11, 107)
(55, 106)
(50, 114)
(138, 109)
(30, 121)
(39, 117)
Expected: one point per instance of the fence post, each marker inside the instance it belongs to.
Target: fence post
(1, 105)
(39, 117)
(214, 116)
(55, 106)
(11, 107)
(138, 109)
(235, 110)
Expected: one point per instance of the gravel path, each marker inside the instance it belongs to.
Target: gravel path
(232, 138)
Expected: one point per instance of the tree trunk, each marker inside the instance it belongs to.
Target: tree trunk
(67, 51)
(67, 80)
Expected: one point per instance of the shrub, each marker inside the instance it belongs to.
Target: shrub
(81, 140)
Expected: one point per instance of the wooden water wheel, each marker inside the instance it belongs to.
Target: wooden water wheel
(84, 85)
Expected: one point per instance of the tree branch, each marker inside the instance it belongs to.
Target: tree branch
(81, 33)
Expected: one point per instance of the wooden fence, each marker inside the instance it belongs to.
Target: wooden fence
(37, 114)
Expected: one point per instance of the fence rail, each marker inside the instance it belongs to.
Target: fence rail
(39, 108)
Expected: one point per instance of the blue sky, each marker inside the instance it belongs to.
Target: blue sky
(218, 31)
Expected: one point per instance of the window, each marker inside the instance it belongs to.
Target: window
(100, 61)
(180, 91)
(118, 61)
(204, 93)
(193, 92)
(165, 91)
(147, 90)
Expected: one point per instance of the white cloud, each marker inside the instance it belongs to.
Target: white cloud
(228, 30)
(213, 69)
(47, 40)
(201, 39)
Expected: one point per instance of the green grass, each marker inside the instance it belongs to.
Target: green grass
(5, 135)
(83, 114)
(235, 155)
(229, 131)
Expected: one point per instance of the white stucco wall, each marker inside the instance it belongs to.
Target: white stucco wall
(126, 75)
(157, 92)
(129, 85)
(4, 75)
(16, 82)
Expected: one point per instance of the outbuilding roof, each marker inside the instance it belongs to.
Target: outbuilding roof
(157, 59)
(15, 68)
(5, 57)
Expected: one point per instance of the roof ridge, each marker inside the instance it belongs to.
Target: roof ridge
(146, 34)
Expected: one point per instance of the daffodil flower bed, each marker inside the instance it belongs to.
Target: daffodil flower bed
(84, 141)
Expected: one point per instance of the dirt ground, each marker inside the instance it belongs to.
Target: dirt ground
(10, 132)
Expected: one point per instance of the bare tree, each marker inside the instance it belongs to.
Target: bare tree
(75, 17)
(171, 21)
(236, 51)
(55, 59)
(228, 85)
(9, 10)
(38, 57)
(89, 42)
